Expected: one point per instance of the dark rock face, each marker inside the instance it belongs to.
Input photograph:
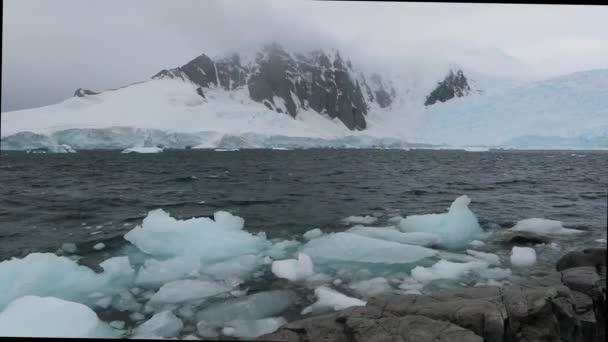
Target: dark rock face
(454, 85)
(84, 92)
(561, 306)
(595, 257)
(287, 83)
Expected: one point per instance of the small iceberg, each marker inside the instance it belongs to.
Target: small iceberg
(33, 316)
(455, 229)
(143, 150)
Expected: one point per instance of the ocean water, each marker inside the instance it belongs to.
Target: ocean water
(98, 196)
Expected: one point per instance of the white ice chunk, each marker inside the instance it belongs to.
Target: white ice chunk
(207, 330)
(359, 220)
(143, 150)
(455, 229)
(543, 227)
(328, 299)
(136, 316)
(249, 329)
(69, 247)
(99, 246)
(444, 269)
(392, 234)
(313, 233)
(46, 274)
(238, 267)
(256, 306)
(125, 301)
(490, 258)
(33, 316)
(229, 221)
(104, 302)
(371, 287)
(477, 243)
(200, 238)
(180, 291)
(117, 324)
(281, 249)
(357, 248)
(163, 324)
(157, 272)
(292, 269)
(523, 256)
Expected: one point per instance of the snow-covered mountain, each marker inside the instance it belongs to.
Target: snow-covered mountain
(277, 98)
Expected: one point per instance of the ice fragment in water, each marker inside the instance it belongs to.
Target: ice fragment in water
(33, 316)
(490, 258)
(249, 329)
(543, 227)
(201, 239)
(163, 324)
(252, 307)
(392, 234)
(328, 299)
(523, 256)
(292, 269)
(357, 248)
(371, 287)
(455, 229)
(99, 246)
(313, 233)
(46, 274)
(69, 247)
(180, 291)
(359, 220)
(444, 269)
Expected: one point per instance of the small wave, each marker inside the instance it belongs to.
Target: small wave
(186, 179)
(516, 182)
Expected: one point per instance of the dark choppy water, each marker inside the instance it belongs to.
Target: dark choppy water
(97, 196)
(93, 196)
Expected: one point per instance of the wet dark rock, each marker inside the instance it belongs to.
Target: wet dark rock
(525, 238)
(84, 92)
(454, 85)
(556, 306)
(371, 324)
(595, 257)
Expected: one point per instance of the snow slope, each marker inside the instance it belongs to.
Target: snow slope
(170, 105)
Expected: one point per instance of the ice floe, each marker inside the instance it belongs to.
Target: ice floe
(359, 220)
(292, 269)
(33, 316)
(328, 299)
(392, 234)
(248, 329)
(46, 274)
(543, 227)
(185, 290)
(162, 325)
(356, 248)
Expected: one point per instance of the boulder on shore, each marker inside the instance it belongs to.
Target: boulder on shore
(567, 305)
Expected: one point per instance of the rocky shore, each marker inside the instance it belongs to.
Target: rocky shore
(566, 305)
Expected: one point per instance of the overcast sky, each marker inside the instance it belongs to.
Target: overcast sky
(52, 47)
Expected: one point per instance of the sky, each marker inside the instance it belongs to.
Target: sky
(51, 48)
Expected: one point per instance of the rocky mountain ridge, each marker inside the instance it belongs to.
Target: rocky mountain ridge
(288, 83)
